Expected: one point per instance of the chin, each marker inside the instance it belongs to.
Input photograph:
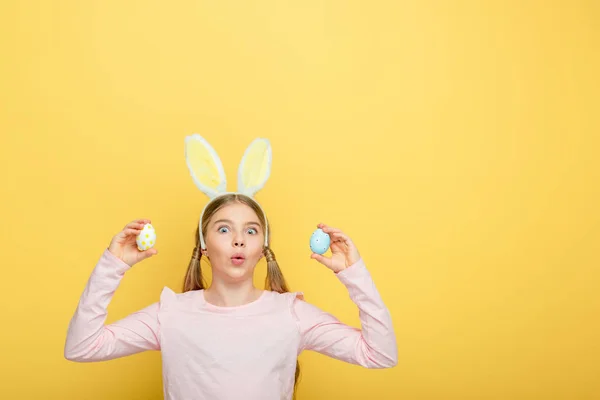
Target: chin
(234, 273)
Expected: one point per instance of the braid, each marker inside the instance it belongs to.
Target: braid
(269, 255)
(197, 253)
(193, 278)
(275, 280)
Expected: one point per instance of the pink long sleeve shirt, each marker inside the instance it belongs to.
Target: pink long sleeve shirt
(244, 352)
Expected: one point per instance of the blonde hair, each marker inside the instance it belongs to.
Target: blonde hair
(274, 281)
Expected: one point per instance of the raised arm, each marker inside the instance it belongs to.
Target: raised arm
(88, 338)
(372, 346)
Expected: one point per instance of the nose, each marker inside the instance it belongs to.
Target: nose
(238, 242)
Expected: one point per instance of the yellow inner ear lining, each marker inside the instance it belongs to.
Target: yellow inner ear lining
(204, 166)
(255, 165)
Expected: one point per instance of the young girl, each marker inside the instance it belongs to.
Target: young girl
(231, 340)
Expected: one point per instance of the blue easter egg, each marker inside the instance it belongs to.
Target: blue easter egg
(319, 241)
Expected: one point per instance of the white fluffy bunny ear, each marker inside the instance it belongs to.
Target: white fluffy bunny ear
(255, 167)
(205, 166)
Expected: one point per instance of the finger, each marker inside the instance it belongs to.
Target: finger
(340, 237)
(323, 260)
(141, 221)
(148, 253)
(131, 232)
(134, 225)
(345, 240)
(328, 229)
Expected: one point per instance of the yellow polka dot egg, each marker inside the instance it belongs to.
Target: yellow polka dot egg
(147, 238)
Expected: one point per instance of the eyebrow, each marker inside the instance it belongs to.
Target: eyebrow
(231, 222)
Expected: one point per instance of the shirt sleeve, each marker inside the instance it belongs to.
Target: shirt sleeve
(89, 339)
(372, 346)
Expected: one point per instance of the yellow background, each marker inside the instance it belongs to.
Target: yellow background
(455, 141)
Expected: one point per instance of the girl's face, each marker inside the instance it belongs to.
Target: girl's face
(234, 242)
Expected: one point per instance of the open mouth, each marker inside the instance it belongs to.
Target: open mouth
(238, 259)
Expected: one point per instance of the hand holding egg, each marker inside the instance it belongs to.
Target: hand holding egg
(131, 245)
(343, 251)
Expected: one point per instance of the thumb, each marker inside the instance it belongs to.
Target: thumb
(148, 253)
(323, 260)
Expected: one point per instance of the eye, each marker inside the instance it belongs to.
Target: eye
(252, 231)
(223, 229)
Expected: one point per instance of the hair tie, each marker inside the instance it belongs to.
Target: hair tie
(270, 256)
(197, 253)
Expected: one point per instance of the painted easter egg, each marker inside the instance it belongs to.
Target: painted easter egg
(147, 238)
(319, 241)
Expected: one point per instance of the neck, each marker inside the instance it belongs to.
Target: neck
(226, 294)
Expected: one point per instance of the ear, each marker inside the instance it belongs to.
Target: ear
(205, 166)
(255, 168)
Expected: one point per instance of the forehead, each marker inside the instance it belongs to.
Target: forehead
(237, 212)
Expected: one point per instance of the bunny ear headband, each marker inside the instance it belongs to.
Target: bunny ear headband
(209, 176)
